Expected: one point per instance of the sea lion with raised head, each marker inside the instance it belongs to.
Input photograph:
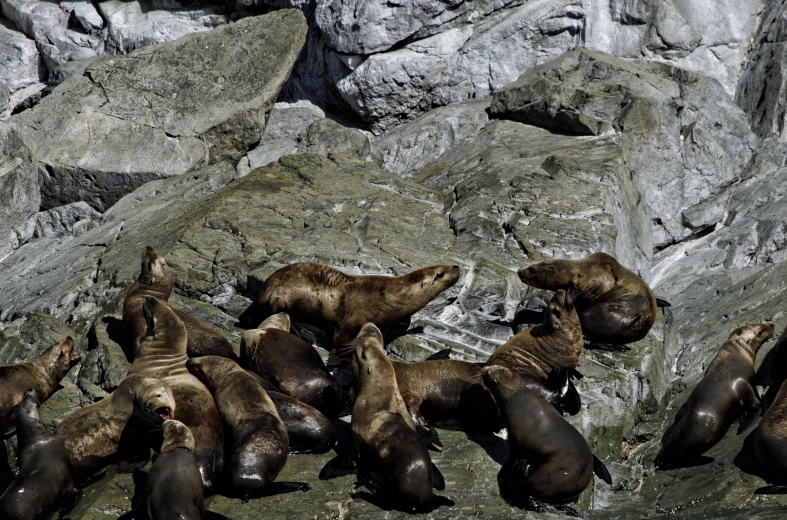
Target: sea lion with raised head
(41, 374)
(544, 353)
(550, 462)
(390, 457)
(156, 280)
(257, 438)
(292, 366)
(326, 297)
(615, 307)
(163, 355)
(726, 393)
(109, 431)
(46, 480)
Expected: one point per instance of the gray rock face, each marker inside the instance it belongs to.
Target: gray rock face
(684, 140)
(64, 220)
(19, 60)
(161, 111)
(19, 194)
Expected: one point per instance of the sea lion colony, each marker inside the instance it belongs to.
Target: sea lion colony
(225, 424)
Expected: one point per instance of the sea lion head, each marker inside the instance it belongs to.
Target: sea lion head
(154, 269)
(500, 380)
(176, 435)
(421, 286)
(279, 321)
(28, 407)
(60, 356)
(160, 318)
(753, 335)
(561, 313)
(369, 359)
(211, 369)
(155, 399)
(547, 274)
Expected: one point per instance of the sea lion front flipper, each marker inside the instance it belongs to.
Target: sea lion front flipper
(278, 488)
(70, 501)
(441, 354)
(750, 400)
(575, 294)
(311, 334)
(778, 489)
(268, 386)
(438, 482)
(601, 471)
(608, 347)
(337, 467)
(426, 431)
(660, 302)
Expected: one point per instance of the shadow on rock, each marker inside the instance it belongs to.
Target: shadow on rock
(116, 331)
(436, 502)
(493, 445)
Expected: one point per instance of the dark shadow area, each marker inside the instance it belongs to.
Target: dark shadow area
(6, 475)
(495, 447)
(436, 502)
(116, 330)
(746, 460)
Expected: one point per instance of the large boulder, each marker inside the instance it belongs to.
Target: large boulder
(684, 139)
(162, 110)
(20, 65)
(19, 194)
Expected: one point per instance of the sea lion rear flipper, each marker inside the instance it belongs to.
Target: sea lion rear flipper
(311, 334)
(342, 372)
(660, 302)
(601, 470)
(438, 482)
(779, 489)
(750, 400)
(70, 501)
(567, 398)
(8, 433)
(442, 354)
(92, 479)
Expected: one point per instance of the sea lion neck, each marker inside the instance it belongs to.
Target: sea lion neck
(28, 422)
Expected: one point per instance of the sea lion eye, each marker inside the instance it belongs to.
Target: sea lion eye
(439, 275)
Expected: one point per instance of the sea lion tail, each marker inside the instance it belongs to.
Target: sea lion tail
(601, 471)
(440, 354)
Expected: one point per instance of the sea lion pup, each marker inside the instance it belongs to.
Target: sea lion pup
(550, 461)
(327, 298)
(259, 438)
(725, 393)
(41, 374)
(292, 366)
(156, 279)
(545, 355)
(163, 355)
(390, 457)
(46, 480)
(616, 306)
(174, 487)
(108, 431)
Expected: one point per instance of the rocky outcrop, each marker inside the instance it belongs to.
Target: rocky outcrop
(685, 141)
(19, 193)
(160, 111)
(20, 65)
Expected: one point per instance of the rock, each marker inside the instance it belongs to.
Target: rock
(135, 24)
(85, 14)
(19, 195)
(290, 120)
(61, 221)
(411, 146)
(206, 98)
(105, 364)
(19, 60)
(704, 147)
(326, 136)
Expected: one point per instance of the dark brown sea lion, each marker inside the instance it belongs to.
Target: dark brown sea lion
(770, 444)
(100, 434)
(550, 461)
(725, 393)
(448, 393)
(292, 366)
(616, 306)
(156, 279)
(544, 353)
(174, 488)
(325, 297)
(259, 441)
(42, 374)
(46, 480)
(163, 355)
(391, 459)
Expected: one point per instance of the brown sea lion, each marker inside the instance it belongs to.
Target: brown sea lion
(391, 459)
(770, 443)
(42, 374)
(544, 355)
(292, 366)
(156, 279)
(326, 297)
(100, 434)
(725, 393)
(616, 306)
(173, 489)
(259, 441)
(550, 461)
(46, 480)
(163, 355)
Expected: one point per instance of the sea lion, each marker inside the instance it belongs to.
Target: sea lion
(259, 444)
(292, 366)
(326, 297)
(448, 393)
(725, 393)
(545, 355)
(174, 488)
(770, 443)
(100, 434)
(42, 374)
(391, 459)
(156, 279)
(616, 306)
(550, 461)
(46, 479)
(163, 355)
